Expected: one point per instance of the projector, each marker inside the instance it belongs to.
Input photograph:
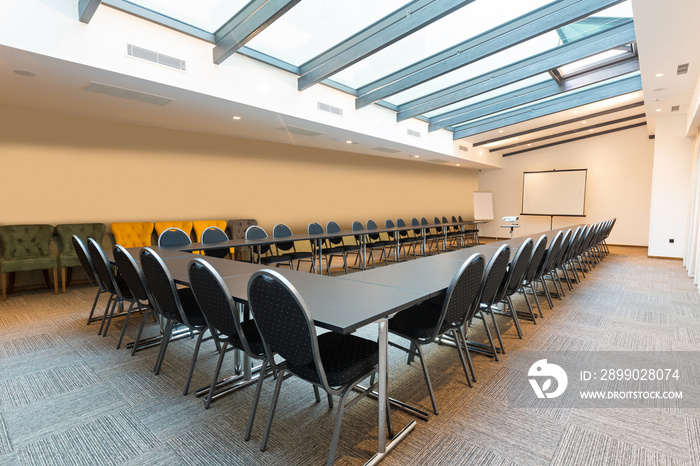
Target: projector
(510, 219)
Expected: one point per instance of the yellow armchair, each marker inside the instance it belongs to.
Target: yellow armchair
(201, 225)
(185, 226)
(132, 234)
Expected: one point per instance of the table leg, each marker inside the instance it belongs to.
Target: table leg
(320, 256)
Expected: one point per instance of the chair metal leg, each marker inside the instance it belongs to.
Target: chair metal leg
(222, 353)
(194, 360)
(104, 316)
(164, 345)
(546, 292)
(273, 406)
(460, 330)
(336, 429)
(94, 305)
(461, 356)
(509, 303)
(427, 378)
(256, 399)
(533, 287)
(138, 335)
(126, 321)
(498, 331)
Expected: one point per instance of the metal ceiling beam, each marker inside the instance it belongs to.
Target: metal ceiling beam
(531, 94)
(87, 8)
(390, 29)
(573, 131)
(559, 104)
(526, 27)
(246, 24)
(614, 130)
(563, 123)
(518, 71)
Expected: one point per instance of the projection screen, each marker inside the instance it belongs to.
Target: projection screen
(555, 193)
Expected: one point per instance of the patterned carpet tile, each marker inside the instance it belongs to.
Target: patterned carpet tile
(5, 443)
(23, 390)
(29, 344)
(579, 446)
(637, 341)
(454, 450)
(110, 440)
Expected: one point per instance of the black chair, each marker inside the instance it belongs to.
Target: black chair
(335, 247)
(89, 269)
(114, 285)
(214, 234)
(530, 279)
(133, 277)
(224, 321)
(361, 255)
(374, 242)
(512, 282)
(406, 241)
(175, 305)
(174, 237)
(471, 236)
(288, 248)
(332, 361)
(264, 251)
(548, 262)
(420, 234)
(428, 321)
(493, 277)
(315, 228)
(430, 237)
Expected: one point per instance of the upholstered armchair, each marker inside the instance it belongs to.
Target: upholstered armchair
(67, 257)
(25, 248)
(132, 234)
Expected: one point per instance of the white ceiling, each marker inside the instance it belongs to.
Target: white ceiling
(666, 36)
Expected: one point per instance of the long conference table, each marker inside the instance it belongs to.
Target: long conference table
(345, 304)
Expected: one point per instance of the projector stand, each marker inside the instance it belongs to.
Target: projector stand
(511, 226)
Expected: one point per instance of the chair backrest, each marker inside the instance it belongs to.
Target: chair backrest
(83, 231)
(86, 261)
(357, 227)
(389, 223)
(563, 249)
(184, 225)
(516, 271)
(551, 254)
(166, 300)
(314, 228)
(283, 231)
(132, 274)
(493, 276)
(213, 235)
(438, 228)
(416, 223)
(103, 267)
(132, 234)
(460, 218)
(200, 226)
(536, 258)
(400, 223)
(333, 227)
(284, 321)
(256, 232)
(462, 298)
(214, 299)
(20, 241)
(371, 225)
(173, 237)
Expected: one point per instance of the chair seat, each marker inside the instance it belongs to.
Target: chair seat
(252, 335)
(344, 358)
(123, 287)
(301, 255)
(22, 264)
(351, 247)
(334, 250)
(275, 259)
(417, 322)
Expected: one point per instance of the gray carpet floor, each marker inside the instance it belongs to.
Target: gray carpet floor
(68, 397)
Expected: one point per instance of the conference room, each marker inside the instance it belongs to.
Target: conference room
(394, 147)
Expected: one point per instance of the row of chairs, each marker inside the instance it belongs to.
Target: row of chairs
(479, 290)
(285, 252)
(279, 323)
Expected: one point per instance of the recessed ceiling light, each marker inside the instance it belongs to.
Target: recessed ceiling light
(236, 117)
(657, 99)
(28, 74)
(584, 122)
(416, 156)
(481, 153)
(590, 130)
(659, 89)
(529, 145)
(575, 111)
(500, 130)
(658, 75)
(658, 109)
(457, 164)
(348, 141)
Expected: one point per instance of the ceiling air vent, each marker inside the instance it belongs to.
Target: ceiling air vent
(438, 161)
(675, 108)
(682, 69)
(155, 57)
(415, 134)
(330, 109)
(464, 148)
(388, 150)
(130, 94)
(299, 131)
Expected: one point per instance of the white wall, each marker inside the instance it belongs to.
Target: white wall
(670, 194)
(619, 184)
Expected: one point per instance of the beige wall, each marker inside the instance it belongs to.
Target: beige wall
(64, 169)
(618, 184)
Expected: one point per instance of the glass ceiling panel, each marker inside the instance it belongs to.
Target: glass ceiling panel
(509, 89)
(465, 23)
(314, 26)
(207, 15)
(541, 101)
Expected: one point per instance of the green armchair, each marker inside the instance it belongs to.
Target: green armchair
(67, 257)
(24, 248)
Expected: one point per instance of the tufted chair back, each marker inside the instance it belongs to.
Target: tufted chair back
(65, 232)
(132, 234)
(201, 225)
(184, 225)
(25, 241)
